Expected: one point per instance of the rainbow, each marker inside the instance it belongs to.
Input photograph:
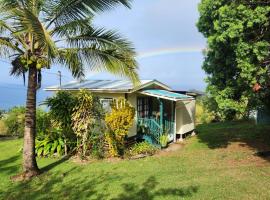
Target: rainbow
(169, 51)
(162, 52)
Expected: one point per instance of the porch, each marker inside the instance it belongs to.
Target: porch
(156, 114)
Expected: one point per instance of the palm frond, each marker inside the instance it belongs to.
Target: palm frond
(30, 23)
(111, 61)
(10, 4)
(7, 30)
(100, 37)
(18, 68)
(96, 59)
(106, 51)
(7, 42)
(71, 59)
(71, 28)
(8, 47)
(70, 10)
(35, 6)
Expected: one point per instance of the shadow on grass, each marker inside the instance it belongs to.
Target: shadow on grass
(221, 135)
(54, 164)
(9, 166)
(148, 191)
(94, 186)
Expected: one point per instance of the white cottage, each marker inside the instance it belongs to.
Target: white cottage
(158, 110)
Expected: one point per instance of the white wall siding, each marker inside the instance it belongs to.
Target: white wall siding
(185, 116)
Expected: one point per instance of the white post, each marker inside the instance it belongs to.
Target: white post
(193, 133)
(181, 138)
(174, 140)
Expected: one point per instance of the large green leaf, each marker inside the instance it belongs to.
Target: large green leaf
(47, 149)
(54, 146)
(40, 151)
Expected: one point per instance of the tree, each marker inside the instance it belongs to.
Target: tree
(237, 59)
(36, 34)
(85, 114)
(61, 106)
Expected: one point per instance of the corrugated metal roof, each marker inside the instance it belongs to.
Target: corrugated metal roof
(166, 94)
(112, 85)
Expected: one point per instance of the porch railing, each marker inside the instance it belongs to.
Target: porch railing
(151, 128)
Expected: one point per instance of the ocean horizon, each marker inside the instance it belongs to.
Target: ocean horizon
(15, 95)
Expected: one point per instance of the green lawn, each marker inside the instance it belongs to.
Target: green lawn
(219, 163)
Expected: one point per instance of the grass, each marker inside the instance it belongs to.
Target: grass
(219, 163)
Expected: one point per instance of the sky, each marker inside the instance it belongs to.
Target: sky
(166, 39)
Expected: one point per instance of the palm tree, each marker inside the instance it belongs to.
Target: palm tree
(36, 34)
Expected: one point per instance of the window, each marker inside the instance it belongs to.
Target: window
(143, 107)
(106, 104)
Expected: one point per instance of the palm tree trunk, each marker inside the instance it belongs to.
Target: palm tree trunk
(30, 167)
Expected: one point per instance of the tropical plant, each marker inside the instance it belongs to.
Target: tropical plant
(237, 59)
(119, 121)
(43, 122)
(85, 115)
(51, 144)
(61, 106)
(142, 148)
(163, 140)
(35, 34)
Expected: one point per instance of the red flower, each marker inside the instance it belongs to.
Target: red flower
(257, 87)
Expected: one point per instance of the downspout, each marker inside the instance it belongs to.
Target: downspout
(174, 120)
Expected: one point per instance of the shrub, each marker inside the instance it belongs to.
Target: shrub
(3, 128)
(96, 142)
(142, 148)
(51, 144)
(61, 106)
(119, 121)
(14, 121)
(43, 123)
(111, 143)
(203, 115)
(80, 117)
(86, 114)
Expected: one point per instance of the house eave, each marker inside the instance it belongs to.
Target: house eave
(149, 84)
(167, 98)
(91, 90)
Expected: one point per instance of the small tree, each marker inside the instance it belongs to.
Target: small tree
(86, 112)
(119, 121)
(61, 106)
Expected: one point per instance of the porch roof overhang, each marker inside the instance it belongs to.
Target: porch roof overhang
(164, 94)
